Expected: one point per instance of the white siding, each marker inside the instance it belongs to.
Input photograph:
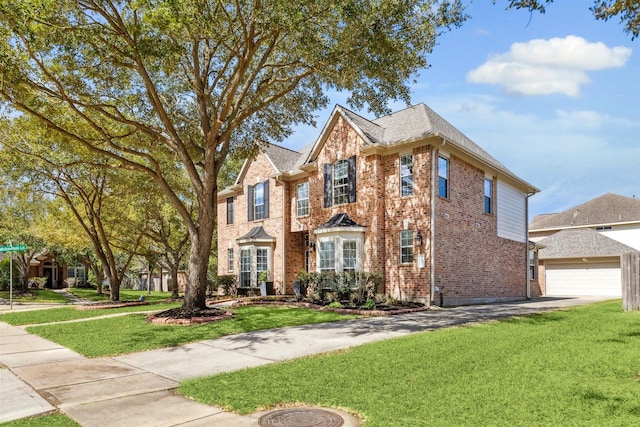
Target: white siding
(627, 234)
(511, 212)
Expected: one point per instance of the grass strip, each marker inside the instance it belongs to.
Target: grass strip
(62, 314)
(51, 420)
(577, 367)
(128, 334)
(41, 296)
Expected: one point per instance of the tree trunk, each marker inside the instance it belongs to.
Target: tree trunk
(174, 281)
(195, 294)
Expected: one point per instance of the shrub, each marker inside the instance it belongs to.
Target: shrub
(228, 283)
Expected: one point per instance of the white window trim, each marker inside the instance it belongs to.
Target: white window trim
(401, 176)
(413, 255)
(253, 269)
(338, 238)
(298, 200)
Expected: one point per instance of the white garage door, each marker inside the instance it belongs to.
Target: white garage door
(584, 279)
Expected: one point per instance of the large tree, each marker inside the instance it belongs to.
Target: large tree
(141, 81)
(627, 10)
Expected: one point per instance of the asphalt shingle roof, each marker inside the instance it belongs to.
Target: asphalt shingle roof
(606, 209)
(580, 242)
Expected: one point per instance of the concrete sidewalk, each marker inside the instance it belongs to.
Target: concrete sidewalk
(136, 389)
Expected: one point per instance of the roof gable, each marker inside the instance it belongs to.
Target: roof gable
(281, 159)
(607, 209)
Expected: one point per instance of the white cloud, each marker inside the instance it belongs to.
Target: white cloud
(543, 67)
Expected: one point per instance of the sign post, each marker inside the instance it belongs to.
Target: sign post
(11, 248)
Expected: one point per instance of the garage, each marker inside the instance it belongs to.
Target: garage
(585, 278)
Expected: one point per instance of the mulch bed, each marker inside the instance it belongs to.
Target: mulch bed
(180, 316)
(380, 310)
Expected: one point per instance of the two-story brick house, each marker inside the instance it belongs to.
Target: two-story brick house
(406, 195)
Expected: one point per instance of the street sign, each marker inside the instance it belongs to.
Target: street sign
(12, 248)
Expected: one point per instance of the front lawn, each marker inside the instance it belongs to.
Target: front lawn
(577, 367)
(43, 296)
(128, 334)
(62, 314)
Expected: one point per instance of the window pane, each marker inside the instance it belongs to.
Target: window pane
(327, 256)
(487, 195)
(245, 268)
(406, 246)
(443, 177)
(231, 261)
(349, 256)
(258, 205)
(406, 175)
(341, 182)
(302, 199)
(262, 260)
(230, 210)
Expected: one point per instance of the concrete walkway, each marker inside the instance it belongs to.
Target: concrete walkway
(136, 389)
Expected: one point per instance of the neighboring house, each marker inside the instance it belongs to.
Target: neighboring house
(58, 275)
(579, 249)
(406, 195)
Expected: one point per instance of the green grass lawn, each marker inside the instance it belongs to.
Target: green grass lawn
(36, 296)
(128, 334)
(579, 367)
(90, 294)
(62, 314)
(52, 420)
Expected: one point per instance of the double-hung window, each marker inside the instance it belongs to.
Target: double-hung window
(258, 203)
(230, 259)
(406, 175)
(349, 256)
(229, 210)
(245, 268)
(341, 182)
(443, 177)
(302, 199)
(262, 260)
(406, 246)
(488, 196)
(326, 251)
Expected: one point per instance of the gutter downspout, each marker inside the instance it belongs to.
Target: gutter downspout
(432, 254)
(526, 228)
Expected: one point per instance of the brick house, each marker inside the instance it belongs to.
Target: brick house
(406, 195)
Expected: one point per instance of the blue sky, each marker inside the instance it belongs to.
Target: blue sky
(554, 97)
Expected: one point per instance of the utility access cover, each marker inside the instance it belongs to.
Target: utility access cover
(301, 417)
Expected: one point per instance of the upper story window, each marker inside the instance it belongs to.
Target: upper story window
(443, 177)
(488, 196)
(258, 201)
(229, 210)
(406, 175)
(302, 199)
(340, 182)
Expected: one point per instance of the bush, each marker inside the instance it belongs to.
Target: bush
(329, 286)
(228, 283)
